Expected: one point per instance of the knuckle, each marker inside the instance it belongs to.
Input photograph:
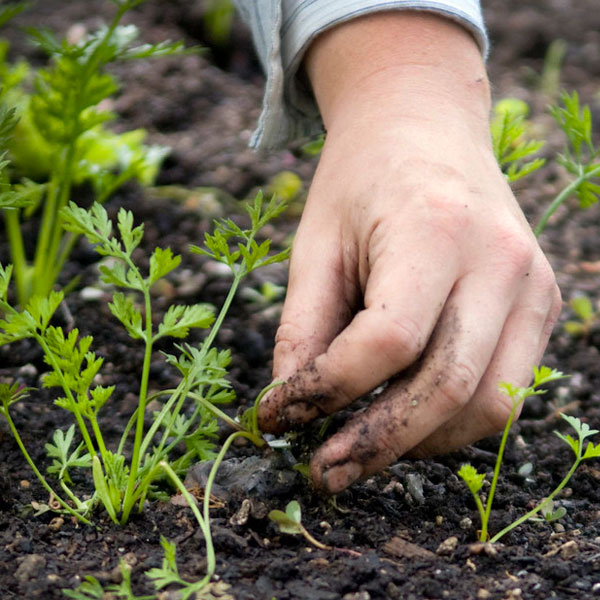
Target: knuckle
(518, 250)
(400, 340)
(456, 386)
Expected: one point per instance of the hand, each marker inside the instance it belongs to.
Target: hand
(413, 263)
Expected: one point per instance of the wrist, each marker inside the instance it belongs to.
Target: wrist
(402, 66)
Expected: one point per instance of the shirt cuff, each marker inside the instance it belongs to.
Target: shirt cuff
(289, 108)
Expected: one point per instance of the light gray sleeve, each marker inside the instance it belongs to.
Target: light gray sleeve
(282, 31)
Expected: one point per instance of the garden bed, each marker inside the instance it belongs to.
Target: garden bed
(415, 523)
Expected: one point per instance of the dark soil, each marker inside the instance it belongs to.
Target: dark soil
(414, 524)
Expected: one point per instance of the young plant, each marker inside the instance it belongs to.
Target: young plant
(62, 141)
(581, 158)
(474, 480)
(587, 317)
(187, 413)
(290, 522)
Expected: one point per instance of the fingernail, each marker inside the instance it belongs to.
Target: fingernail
(339, 477)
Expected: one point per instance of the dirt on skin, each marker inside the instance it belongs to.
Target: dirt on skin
(414, 524)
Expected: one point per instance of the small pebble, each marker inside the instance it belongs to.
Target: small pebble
(27, 370)
(483, 594)
(465, 523)
(91, 294)
(569, 549)
(447, 546)
(363, 595)
(24, 484)
(439, 520)
(559, 528)
(414, 485)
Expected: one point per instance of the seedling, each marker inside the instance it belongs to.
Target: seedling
(512, 148)
(290, 522)
(581, 158)
(61, 141)
(120, 484)
(586, 314)
(474, 480)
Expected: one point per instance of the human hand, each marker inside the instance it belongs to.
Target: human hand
(413, 263)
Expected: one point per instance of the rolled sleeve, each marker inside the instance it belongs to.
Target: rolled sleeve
(282, 32)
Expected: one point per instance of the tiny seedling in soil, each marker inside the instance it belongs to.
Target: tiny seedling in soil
(290, 522)
(474, 480)
(587, 317)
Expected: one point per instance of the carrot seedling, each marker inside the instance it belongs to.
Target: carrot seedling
(474, 480)
(61, 141)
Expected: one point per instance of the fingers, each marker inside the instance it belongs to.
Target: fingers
(453, 398)
(381, 340)
(521, 346)
(414, 406)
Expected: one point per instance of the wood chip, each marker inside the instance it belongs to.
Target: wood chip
(400, 548)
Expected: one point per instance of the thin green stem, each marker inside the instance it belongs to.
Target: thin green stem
(17, 255)
(210, 338)
(562, 196)
(211, 562)
(260, 396)
(215, 467)
(488, 505)
(141, 411)
(539, 507)
(48, 258)
(34, 468)
(43, 262)
(99, 438)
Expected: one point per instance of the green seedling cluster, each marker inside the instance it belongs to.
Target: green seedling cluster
(56, 138)
(128, 475)
(475, 480)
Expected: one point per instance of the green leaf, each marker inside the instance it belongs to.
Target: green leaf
(130, 236)
(293, 511)
(544, 374)
(162, 262)
(63, 460)
(471, 477)
(582, 307)
(285, 523)
(5, 275)
(591, 451)
(168, 573)
(123, 308)
(102, 488)
(570, 441)
(179, 319)
(11, 393)
(90, 589)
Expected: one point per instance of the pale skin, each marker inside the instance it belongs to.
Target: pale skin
(413, 263)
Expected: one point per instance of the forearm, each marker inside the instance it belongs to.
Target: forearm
(409, 64)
